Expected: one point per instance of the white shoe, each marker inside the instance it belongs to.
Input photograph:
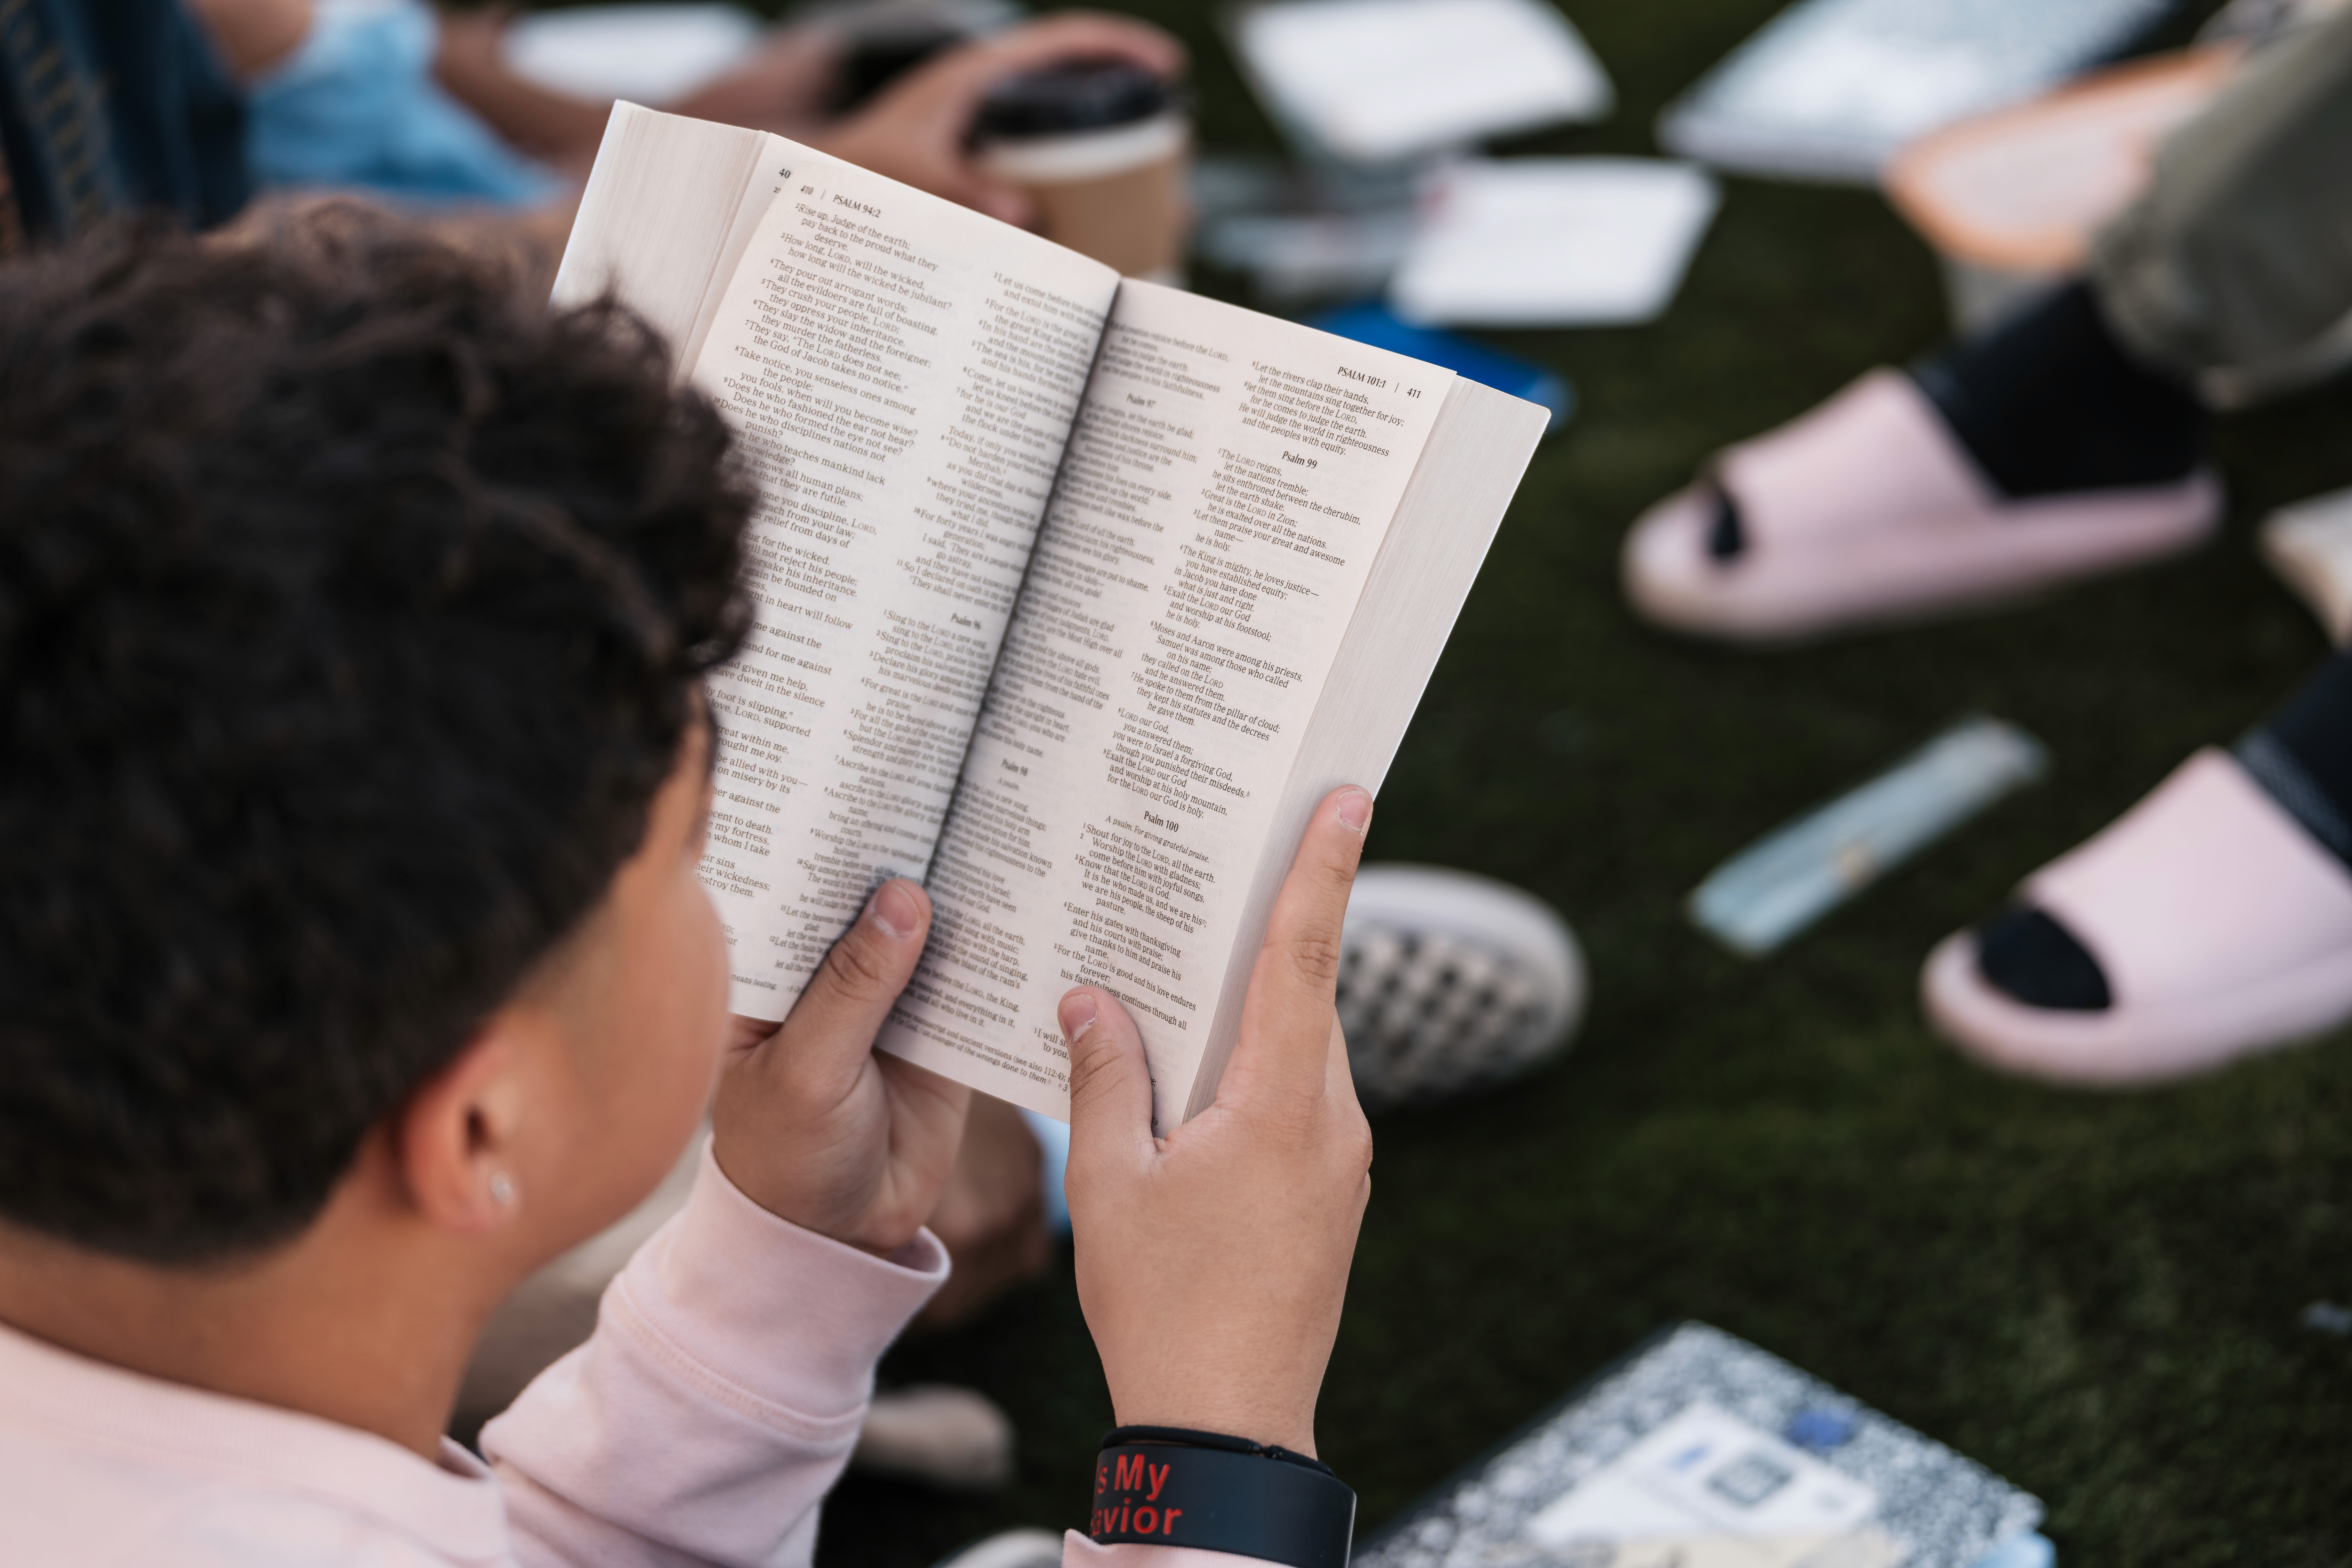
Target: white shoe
(1451, 983)
(2205, 924)
(952, 1438)
(1868, 511)
(1030, 1548)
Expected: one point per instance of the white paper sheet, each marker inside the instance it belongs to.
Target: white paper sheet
(1378, 81)
(1830, 89)
(650, 54)
(1556, 242)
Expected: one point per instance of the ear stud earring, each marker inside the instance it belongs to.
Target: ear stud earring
(501, 1189)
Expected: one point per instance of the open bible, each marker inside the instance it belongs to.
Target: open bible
(1074, 594)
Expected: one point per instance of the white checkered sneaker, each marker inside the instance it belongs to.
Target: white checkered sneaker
(1010, 1549)
(1451, 983)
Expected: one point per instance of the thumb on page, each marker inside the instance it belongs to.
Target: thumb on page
(1110, 1084)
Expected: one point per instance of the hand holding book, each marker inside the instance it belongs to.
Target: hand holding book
(816, 1126)
(1212, 1262)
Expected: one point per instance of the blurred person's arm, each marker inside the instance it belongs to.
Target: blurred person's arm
(784, 87)
(553, 127)
(914, 130)
(251, 36)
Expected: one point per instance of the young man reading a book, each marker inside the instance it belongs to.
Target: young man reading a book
(354, 618)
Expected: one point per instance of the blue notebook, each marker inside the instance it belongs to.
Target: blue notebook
(1374, 324)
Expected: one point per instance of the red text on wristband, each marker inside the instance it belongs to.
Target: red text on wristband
(1219, 1500)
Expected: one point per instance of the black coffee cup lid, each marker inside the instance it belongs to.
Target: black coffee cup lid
(1071, 96)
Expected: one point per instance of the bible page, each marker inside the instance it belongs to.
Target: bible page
(1223, 495)
(902, 375)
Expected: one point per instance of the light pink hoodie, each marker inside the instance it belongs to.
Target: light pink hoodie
(702, 1423)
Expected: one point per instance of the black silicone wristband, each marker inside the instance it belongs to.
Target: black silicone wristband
(1168, 1487)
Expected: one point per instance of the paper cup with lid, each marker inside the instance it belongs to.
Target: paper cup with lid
(1103, 148)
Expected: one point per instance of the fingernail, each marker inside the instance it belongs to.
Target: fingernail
(893, 908)
(1077, 1015)
(1356, 808)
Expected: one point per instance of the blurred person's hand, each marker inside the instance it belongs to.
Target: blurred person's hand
(916, 130)
(473, 40)
(787, 85)
(991, 1214)
(812, 1123)
(1212, 1262)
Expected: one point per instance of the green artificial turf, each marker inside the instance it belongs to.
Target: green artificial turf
(2097, 1296)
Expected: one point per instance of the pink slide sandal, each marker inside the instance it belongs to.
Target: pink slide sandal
(1867, 511)
(2222, 927)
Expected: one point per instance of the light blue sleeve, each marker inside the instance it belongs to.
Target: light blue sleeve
(1054, 1142)
(356, 107)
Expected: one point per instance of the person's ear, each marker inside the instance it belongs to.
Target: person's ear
(458, 1138)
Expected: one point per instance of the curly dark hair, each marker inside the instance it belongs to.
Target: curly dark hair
(351, 609)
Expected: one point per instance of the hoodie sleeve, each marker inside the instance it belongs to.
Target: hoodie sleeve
(718, 1398)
